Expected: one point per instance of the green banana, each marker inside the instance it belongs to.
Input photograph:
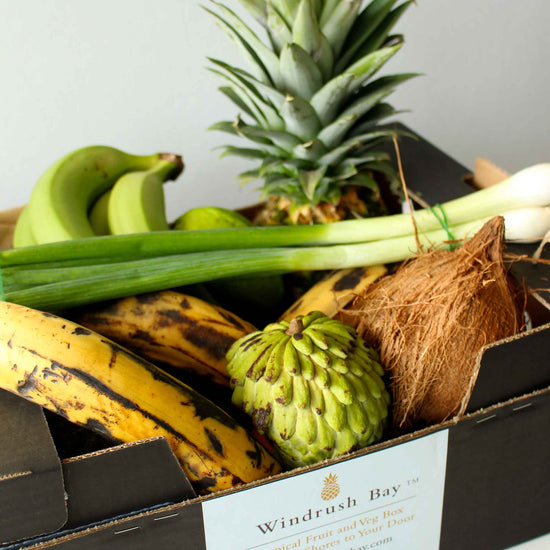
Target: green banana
(98, 214)
(22, 235)
(61, 198)
(136, 203)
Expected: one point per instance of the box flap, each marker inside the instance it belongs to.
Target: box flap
(497, 489)
(123, 479)
(32, 497)
(506, 372)
(178, 526)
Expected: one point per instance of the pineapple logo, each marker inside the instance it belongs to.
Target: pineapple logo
(331, 489)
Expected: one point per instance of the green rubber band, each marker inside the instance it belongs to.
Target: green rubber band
(442, 219)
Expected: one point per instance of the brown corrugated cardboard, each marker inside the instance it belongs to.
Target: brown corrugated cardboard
(496, 486)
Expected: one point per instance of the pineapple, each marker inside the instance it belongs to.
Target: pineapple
(331, 489)
(310, 106)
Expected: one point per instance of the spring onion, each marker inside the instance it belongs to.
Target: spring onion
(64, 287)
(528, 188)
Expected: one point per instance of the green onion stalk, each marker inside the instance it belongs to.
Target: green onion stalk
(72, 273)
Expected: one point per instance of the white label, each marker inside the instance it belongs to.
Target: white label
(391, 500)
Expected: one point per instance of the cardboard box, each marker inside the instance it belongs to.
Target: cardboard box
(479, 481)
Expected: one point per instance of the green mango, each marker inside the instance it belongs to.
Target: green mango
(210, 217)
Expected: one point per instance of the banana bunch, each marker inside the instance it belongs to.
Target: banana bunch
(171, 328)
(93, 382)
(97, 190)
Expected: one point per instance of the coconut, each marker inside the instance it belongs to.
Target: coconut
(430, 319)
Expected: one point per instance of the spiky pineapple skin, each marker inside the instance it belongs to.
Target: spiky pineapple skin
(311, 386)
(352, 205)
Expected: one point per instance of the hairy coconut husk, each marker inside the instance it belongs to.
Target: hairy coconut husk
(430, 319)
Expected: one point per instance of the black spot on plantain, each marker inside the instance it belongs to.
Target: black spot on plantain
(116, 348)
(185, 304)
(192, 470)
(99, 428)
(215, 343)
(56, 407)
(169, 317)
(96, 320)
(56, 365)
(206, 409)
(52, 374)
(81, 331)
(28, 383)
(215, 442)
(109, 307)
(295, 306)
(350, 280)
(147, 298)
(298, 336)
(144, 336)
(113, 358)
(235, 321)
(255, 455)
(236, 481)
(203, 484)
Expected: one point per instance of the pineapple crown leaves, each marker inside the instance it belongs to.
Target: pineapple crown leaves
(311, 385)
(309, 95)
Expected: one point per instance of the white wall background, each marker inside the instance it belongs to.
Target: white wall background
(132, 73)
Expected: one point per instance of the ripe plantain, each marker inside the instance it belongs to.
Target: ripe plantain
(60, 200)
(171, 328)
(334, 292)
(96, 383)
(136, 202)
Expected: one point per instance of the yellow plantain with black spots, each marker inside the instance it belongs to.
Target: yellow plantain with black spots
(171, 328)
(333, 293)
(96, 383)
